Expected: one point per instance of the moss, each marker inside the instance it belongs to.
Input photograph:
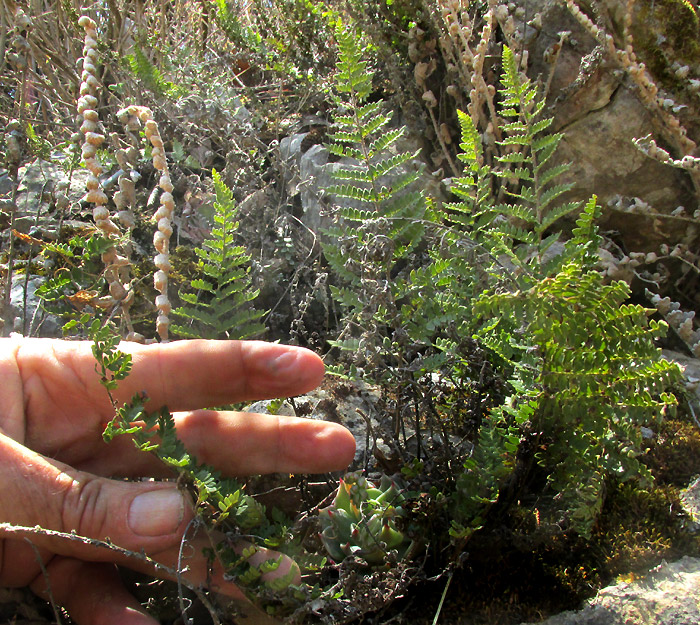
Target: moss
(666, 31)
(642, 526)
(673, 455)
(185, 265)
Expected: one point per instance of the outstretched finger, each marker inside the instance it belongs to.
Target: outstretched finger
(187, 375)
(239, 444)
(55, 382)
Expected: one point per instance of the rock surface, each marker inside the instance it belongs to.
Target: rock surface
(669, 595)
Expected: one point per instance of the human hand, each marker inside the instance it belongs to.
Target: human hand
(55, 466)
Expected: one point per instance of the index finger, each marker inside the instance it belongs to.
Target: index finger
(185, 375)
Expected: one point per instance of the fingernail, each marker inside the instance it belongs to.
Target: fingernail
(284, 363)
(157, 512)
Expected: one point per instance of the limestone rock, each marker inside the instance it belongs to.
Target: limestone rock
(690, 500)
(30, 318)
(598, 109)
(690, 368)
(669, 595)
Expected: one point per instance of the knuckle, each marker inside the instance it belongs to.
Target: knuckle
(84, 506)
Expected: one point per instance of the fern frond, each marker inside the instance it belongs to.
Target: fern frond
(151, 76)
(585, 241)
(546, 176)
(343, 151)
(378, 215)
(222, 306)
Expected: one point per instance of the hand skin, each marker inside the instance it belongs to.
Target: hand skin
(55, 469)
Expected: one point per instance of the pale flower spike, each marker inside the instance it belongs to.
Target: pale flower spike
(116, 266)
(133, 115)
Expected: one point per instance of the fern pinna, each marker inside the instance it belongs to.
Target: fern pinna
(221, 304)
(377, 214)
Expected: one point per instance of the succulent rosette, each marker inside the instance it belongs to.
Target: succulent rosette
(364, 520)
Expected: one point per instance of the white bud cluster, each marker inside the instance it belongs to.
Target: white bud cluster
(649, 147)
(117, 266)
(585, 21)
(681, 321)
(133, 117)
(631, 205)
(465, 61)
(125, 197)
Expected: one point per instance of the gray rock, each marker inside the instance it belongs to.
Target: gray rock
(690, 500)
(271, 406)
(30, 318)
(306, 175)
(598, 109)
(669, 595)
(610, 130)
(6, 183)
(689, 366)
(312, 166)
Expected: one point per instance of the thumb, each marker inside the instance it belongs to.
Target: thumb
(37, 491)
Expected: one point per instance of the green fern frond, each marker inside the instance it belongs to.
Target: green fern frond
(220, 306)
(237, 32)
(38, 146)
(584, 370)
(151, 76)
(384, 142)
(378, 217)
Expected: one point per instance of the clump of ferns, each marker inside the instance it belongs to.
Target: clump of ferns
(584, 372)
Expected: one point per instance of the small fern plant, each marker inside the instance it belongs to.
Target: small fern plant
(589, 375)
(501, 230)
(237, 32)
(516, 228)
(377, 214)
(151, 76)
(584, 372)
(220, 303)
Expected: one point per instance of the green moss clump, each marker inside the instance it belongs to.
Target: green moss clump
(674, 454)
(641, 527)
(664, 32)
